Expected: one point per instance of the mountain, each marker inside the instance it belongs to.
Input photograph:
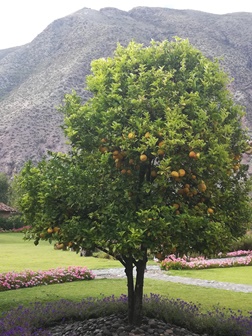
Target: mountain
(34, 77)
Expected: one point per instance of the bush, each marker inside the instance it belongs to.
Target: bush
(12, 280)
(11, 223)
(243, 243)
(103, 255)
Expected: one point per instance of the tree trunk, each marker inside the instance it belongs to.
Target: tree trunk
(130, 283)
(138, 306)
(135, 293)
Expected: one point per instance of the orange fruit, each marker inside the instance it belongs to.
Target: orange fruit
(131, 135)
(56, 229)
(192, 154)
(161, 144)
(181, 172)
(160, 152)
(186, 190)
(129, 172)
(147, 135)
(103, 149)
(131, 161)
(194, 192)
(176, 206)
(202, 187)
(153, 173)
(123, 171)
(210, 211)
(143, 157)
(174, 174)
(104, 140)
(50, 230)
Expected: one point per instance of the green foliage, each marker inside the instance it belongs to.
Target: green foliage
(155, 161)
(243, 243)
(101, 255)
(12, 222)
(4, 188)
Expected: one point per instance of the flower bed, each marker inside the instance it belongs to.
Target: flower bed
(239, 253)
(171, 262)
(34, 319)
(28, 278)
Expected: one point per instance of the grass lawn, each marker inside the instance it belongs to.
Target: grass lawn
(207, 297)
(17, 255)
(238, 275)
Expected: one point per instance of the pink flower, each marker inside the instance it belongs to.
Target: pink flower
(28, 278)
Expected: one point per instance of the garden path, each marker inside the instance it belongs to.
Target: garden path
(154, 272)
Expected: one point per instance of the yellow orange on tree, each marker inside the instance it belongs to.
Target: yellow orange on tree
(131, 135)
(181, 172)
(192, 154)
(210, 211)
(143, 157)
(161, 152)
(202, 187)
(174, 173)
(153, 173)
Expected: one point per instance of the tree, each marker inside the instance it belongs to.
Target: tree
(155, 162)
(4, 188)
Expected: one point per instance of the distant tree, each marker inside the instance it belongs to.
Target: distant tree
(155, 163)
(4, 188)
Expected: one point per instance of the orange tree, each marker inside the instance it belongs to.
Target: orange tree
(155, 162)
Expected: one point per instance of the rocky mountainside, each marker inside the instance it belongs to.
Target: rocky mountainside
(35, 77)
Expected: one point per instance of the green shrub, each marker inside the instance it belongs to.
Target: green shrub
(101, 254)
(10, 223)
(243, 243)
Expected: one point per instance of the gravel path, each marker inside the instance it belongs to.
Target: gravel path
(154, 272)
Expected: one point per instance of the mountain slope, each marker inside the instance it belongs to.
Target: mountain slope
(35, 77)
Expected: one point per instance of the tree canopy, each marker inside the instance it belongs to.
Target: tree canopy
(155, 163)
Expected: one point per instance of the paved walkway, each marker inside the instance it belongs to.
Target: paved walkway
(154, 272)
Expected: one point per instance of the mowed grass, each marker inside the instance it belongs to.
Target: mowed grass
(207, 297)
(18, 255)
(237, 275)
